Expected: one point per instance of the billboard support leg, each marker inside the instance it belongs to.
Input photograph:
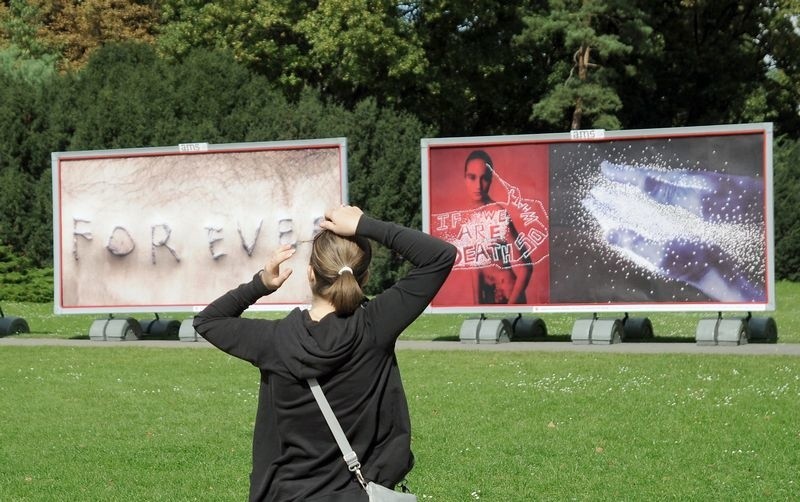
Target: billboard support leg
(720, 331)
(524, 329)
(187, 333)
(596, 331)
(115, 330)
(762, 330)
(483, 330)
(636, 329)
(11, 325)
(162, 329)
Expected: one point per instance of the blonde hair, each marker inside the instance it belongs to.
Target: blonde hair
(341, 269)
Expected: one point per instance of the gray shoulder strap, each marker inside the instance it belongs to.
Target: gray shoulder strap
(349, 455)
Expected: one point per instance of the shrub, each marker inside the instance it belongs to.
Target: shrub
(21, 282)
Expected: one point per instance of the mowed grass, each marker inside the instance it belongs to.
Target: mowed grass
(667, 326)
(129, 423)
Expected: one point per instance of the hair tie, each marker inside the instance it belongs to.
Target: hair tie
(345, 269)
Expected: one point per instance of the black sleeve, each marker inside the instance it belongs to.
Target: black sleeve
(220, 322)
(394, 309)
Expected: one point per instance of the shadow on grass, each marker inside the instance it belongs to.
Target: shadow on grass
(568, 338)
(142, 337)
(448, 338)
(665, 339)
(548, 338)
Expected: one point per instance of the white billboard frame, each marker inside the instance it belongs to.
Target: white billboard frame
(73, 238)
(592, 137)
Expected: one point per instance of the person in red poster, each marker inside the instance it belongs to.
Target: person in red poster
(502, 262)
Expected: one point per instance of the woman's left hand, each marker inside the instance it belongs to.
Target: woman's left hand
(342, 220)
(272, 276)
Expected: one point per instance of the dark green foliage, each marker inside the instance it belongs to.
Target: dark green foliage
(248, 73)
(384, 177)
(20, 281)
(787, 209)
(14, 61)
(595, 45)
(25, 203)
(20, 122)
(204, 91)
(707, 66)
(120, 100)
(127, 97)
(24, 168)
(475, 84)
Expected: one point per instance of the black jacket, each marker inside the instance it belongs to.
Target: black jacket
(294, 454)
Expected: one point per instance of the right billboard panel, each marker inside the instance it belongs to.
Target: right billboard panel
(658, 219)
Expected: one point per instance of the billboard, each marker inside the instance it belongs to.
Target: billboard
(169, 229)
(670, 219)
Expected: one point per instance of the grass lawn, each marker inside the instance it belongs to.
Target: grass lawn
(130, 423)
(139, 423)
(669, 326)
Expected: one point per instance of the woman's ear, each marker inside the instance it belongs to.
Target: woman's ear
(310, 272)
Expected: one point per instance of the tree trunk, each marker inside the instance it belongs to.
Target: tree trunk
(582, 62)
(577, 114)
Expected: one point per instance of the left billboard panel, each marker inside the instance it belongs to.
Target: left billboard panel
(169, 229)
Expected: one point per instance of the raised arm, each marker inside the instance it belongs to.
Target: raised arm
(397, 307)
(220, 322)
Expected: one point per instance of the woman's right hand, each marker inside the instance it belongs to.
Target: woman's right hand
(274, 275)
(342, 220)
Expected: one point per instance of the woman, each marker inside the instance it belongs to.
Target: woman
(344, 341)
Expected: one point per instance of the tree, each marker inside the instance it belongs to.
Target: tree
(591, 43)
(361, 48)
(346, 48)
(25, 226)
(74, 29)
(121, 99)
(20, 281)
(23, 120)
(384, 175)
(20, 24)
(25, 195)
(205, 91)
(13, 61)
(777, 99)
(448, 64)
(261, 34)
(787, 208)
(476, 82)
(710, 66)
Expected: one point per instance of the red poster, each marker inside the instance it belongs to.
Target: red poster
(495, 212)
